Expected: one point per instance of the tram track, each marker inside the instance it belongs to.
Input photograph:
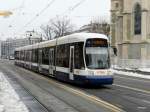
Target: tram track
(46, 109)
(97, 104)
(25, 85)
(125, 98)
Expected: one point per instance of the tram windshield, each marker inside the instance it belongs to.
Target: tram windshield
(97, 54)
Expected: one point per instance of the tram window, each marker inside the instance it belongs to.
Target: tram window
(19, 55)
(22, 55)
(35, 55)
(57, 57)
(45, 56)
(96, 43)
(71, 61)
(67, 55)
(60, 55)
(15, 55)
(27, 55)
(78, 55)
(40, 56)
(63, 55)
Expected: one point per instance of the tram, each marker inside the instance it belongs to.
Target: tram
(81, 58)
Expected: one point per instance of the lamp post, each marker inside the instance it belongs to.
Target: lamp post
(5, 13)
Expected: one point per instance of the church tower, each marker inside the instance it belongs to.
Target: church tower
(130, 31)
(114, 10)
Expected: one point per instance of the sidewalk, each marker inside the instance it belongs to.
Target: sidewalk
(14, 98)
(140, 73)
(9, 100)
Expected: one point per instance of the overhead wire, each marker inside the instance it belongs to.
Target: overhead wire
(71, 9)
(38, 14)
(77, 5)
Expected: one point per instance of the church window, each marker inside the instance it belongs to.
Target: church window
(117, 5)
(137, 19)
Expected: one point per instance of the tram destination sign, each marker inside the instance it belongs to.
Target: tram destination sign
(96, 42)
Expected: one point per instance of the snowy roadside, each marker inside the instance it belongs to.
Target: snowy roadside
(132, 74)
(144, 69)
(9, 100)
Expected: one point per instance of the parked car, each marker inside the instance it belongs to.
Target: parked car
(11, 58)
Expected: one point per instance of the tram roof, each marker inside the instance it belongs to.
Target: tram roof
(76, 37)
(79, 37)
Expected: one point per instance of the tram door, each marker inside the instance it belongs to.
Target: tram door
(51, 61)
(40, 59)
(71, 63)
(30, 59)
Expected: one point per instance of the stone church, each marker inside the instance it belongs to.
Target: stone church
(130, 32)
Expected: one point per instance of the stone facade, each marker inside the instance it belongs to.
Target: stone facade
(130, 32)
(8, 47)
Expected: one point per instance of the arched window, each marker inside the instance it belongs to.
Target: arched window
(137, 19)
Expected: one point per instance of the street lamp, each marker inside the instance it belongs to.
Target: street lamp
(5, 13)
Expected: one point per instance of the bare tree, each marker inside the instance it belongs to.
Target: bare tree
(100, 26)
(47, 32)
(61, 26)
(57, 27)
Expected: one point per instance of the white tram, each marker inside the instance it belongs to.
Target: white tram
(81, 58)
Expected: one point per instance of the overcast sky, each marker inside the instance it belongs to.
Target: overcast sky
(37, 12)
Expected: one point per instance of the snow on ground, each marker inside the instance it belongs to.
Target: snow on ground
(131, 74)
(9, 100)
(144, 69)
(140, 69)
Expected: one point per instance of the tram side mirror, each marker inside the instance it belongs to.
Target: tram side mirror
(115, 51)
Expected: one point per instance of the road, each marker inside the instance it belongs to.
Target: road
(128, 94)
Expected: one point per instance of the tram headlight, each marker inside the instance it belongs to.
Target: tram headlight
(109, 72)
